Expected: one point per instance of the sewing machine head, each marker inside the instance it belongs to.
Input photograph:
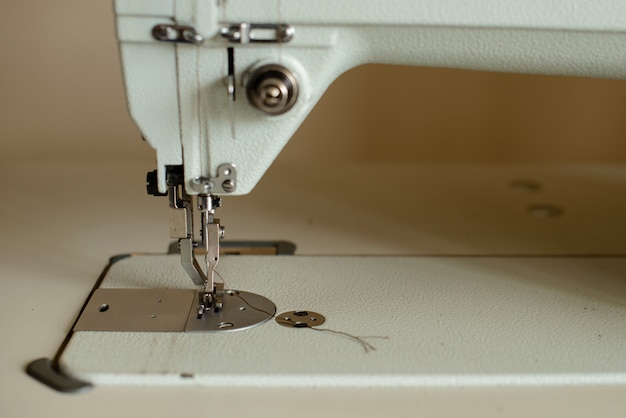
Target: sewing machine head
(219, 98)
(218, 87)
(215, 83)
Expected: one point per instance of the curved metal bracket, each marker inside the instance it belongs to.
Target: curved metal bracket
(225, 182)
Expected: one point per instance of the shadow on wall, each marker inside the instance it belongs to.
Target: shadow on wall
(407, 114)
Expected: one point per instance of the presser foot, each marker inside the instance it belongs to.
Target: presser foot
(221, 310)
(239, 310)
(211, 301)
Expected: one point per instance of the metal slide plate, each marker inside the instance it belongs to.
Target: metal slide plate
(170, 310)
(137, 310)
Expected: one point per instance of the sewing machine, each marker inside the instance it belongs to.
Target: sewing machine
(217, 88)
(234, 82)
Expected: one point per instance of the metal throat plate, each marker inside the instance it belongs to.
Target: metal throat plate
(170, 310)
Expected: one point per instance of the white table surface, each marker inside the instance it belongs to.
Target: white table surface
(62, 221)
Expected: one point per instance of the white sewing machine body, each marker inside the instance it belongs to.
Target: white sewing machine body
(178, 91)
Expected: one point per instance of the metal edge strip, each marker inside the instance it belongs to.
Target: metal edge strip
(46, 370)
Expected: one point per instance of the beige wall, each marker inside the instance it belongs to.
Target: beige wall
(61, 97)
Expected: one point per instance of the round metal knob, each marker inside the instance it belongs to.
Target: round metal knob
(272, 89)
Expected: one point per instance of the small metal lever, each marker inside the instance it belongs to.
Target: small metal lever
(177, 33)
(244, 33)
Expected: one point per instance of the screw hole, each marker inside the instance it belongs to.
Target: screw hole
(153, 316)
(525, 185)
(545, 211)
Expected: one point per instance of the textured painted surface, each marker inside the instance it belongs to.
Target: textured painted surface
(208, 129)
(450, 321)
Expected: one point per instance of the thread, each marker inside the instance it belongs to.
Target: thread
(362, 340)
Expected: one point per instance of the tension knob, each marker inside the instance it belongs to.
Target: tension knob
(272, 89)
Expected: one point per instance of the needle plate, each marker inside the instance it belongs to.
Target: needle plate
(241, 310)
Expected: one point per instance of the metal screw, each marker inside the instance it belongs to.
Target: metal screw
(192, 36)
(271, 95)
(287, 32)
(228, 185)
(163, 33)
